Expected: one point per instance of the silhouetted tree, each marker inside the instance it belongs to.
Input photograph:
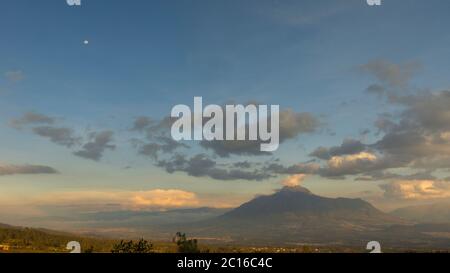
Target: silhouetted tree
(185, 245)
(142, 246)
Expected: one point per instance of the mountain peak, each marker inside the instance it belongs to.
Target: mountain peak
(295, 189)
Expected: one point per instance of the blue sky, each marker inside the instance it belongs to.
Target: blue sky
(144, 57)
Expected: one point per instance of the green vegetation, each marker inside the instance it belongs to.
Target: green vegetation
(186, 245)
(38, 240)
(142, 246)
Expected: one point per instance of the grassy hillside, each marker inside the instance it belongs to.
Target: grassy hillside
(39, 240)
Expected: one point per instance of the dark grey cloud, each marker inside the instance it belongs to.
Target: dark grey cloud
(420, 134)
(234, 147)
(416, 136)
(202, 166)
(59, 135)
(25, 169)
(301, 168)
(292, 125)
(348, 147)
(101, 141)
(165, 145)
(157, 140)
(31, 118)
(243, 164)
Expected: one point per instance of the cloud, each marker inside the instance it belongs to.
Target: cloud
(227, 148)
(385, 175)
(164, 198)
(419, 135)
(150, 199)
(94, 149)
(394, 75)
(25, 169)
(348, 147)
(141, 123)
(300, 168)
(339, 166)
(202, 166)
(157, 137)
(159, 145)
(416, 137)
(292, 125)
(293, 180)
(31, 118)
(93, 145)
(15, 76)
(416, 189)
(59, 135)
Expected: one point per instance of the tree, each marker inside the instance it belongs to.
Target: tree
(142, 246)
(185, 245)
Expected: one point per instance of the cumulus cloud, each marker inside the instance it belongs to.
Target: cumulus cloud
(419, 136)
(159, 146)
(348, 147)
(31, 118)
(91, 146)
(415, 137)
(59, 135)
(6, 169)
(101, 141)
(202, 166)
(150, 199)
(292, 125)
(164, 198)
(339, 166)
(293, 180)
(417, 189)
(157, 139)
(300, 168)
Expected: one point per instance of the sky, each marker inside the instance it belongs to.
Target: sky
(85, 93)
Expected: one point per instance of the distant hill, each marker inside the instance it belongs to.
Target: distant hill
(434, 213)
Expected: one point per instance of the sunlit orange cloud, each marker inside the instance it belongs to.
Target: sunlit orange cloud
(158, 199)
(293, 180)
(339, 161)
(417, 189)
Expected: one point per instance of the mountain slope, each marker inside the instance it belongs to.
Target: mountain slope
(435, 213)
(297, 205)
(22, 239)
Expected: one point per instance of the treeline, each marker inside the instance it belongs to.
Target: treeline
(30, 240)
(38, 240)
